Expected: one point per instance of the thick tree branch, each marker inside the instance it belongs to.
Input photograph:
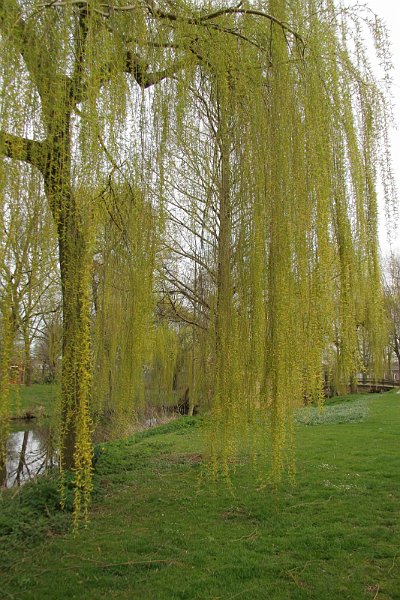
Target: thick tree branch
(76, 82)
(135, 66)
(20, 148)
(28, 42)
(23, 39)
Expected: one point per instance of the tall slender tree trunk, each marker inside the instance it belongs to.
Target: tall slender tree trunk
(397, 349)
(224, 249)
(3, 473)
(224, 279)
(27, 359)
(224, 325)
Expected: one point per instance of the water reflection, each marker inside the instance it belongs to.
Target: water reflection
(29, 453)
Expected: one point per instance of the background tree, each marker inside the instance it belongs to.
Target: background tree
(48, 351)
(392, 304)
(29, 261)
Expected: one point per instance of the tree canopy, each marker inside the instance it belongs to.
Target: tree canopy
(227, 154)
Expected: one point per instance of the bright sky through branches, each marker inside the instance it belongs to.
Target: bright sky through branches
(389, 11)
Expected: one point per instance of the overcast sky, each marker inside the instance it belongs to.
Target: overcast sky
(389, 11)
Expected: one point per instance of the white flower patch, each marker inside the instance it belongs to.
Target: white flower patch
(349, 412)
(339, 486)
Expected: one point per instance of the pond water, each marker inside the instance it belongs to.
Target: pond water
(30, 451)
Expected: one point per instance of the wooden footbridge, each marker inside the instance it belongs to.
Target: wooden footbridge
(377, 385)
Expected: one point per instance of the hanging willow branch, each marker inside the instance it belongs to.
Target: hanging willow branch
(108, 10)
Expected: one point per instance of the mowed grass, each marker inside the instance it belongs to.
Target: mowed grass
(37, 400)
(158, 531)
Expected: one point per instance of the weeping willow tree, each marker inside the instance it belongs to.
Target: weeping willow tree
(122, 299)
(275, 187)
(285, 119)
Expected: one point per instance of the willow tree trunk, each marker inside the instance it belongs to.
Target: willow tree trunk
(75, 345)
(76, 317)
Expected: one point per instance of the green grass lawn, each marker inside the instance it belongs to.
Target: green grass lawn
(159, 532)
(38, 400)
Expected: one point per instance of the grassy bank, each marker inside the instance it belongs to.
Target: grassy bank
(34, 401)
(158, 532)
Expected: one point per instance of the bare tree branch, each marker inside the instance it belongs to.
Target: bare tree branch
(183, 289)
(145, 78)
